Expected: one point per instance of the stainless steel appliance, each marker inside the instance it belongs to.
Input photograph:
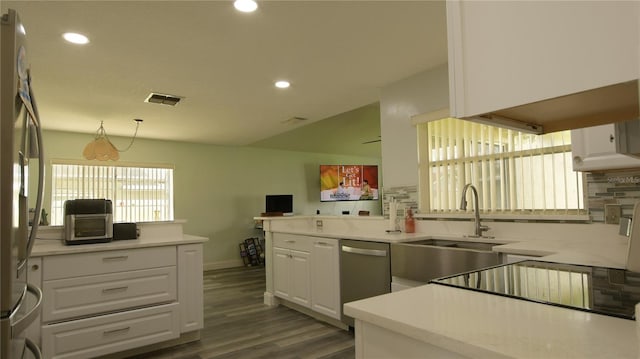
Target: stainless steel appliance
(20, 141)
(365, 271)
(600, 290)
(88, 221)
(424, 260)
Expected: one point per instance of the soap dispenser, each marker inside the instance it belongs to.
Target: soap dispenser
(409, 222)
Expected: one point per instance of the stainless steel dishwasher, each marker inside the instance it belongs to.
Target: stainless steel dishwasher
(365, 271)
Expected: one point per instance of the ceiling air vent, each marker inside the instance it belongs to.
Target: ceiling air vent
(163, 99)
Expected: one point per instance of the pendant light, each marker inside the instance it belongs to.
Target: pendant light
(101, 148)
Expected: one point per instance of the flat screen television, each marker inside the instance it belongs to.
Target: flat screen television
(275, 203)
(348, 183)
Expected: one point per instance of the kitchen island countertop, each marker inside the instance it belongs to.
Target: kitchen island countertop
(50, 241)
(481, 325)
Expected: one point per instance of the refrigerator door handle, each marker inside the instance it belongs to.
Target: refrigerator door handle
(37, 354)
(40, 194)
(23, 323)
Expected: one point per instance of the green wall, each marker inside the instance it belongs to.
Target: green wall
(219, 189)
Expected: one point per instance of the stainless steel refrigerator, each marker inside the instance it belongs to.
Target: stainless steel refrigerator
(20, 144)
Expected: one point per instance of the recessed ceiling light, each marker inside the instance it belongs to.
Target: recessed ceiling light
(282, 84)
(75, 38)
(245, 5)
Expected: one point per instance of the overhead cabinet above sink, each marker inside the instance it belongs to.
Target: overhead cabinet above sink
(544, 66)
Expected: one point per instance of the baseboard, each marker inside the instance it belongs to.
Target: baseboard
(270, 300)
(315, 315)
(182, 339)
(232, 263)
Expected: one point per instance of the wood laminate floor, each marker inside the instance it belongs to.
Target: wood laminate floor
(238, 325)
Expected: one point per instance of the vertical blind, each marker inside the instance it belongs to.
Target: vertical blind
(514, 172)
(138, 193)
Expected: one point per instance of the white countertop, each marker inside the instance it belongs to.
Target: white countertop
(607, 252)
(49, 247)
(396, 237)
(482, 325)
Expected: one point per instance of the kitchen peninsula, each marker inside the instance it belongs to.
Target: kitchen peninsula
(126, 296)
(452, 322)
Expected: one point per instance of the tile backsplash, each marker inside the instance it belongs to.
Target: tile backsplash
(619, 188)
(407, 196)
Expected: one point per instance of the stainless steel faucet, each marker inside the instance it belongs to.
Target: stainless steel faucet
(463, 206)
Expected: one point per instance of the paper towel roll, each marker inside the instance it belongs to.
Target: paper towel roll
(393, 214)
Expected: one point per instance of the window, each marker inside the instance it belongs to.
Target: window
(514, 172)
(140, 193)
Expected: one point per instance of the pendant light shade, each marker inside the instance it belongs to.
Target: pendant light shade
(101, 148)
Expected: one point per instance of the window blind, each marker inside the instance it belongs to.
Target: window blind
(138, 193)
(514, 172)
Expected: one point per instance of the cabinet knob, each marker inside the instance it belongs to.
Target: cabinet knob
(35, 267)
(611, 138)
(577, 160)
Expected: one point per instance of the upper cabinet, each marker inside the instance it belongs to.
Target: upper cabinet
(597, 148)
(548, 65)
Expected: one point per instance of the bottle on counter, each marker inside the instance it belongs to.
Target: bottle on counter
(409, 222)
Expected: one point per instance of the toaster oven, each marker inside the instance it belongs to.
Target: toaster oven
(88, 221)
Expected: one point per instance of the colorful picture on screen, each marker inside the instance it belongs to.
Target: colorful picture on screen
(348, 182)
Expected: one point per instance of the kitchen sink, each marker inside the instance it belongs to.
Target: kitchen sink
(480, 246)
(428, 259)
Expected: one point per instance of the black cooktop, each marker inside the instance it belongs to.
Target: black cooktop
(599, 290)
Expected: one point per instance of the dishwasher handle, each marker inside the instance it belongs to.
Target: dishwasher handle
(365, 252)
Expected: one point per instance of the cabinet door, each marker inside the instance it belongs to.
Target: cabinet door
(509, 53)
(190, 287)
(300, 278)
(281, 272)
(325, 277)
(594, 148)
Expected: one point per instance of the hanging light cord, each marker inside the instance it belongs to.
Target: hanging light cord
(101, 132)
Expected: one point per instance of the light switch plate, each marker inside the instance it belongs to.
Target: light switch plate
(612, 213)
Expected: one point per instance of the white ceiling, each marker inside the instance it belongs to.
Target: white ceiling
(336, 54)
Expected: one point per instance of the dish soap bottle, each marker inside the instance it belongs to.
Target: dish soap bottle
(409, 222)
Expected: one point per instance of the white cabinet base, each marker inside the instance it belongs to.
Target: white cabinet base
(92, 337)
(375, 342)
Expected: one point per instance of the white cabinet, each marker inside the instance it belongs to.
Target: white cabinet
(109, 333)
(325, 277)
(281, 260)
(292, 269)
(102, 302)
(306, 271)
(594, 148)
(190, 287)
(300, 278)
(509, 53)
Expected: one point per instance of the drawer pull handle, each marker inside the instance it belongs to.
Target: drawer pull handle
(290, 241)
(118, 258)
(116, 331)
(116, 289)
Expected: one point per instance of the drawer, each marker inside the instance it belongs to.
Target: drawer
(293, 241)
(85, 264)
(83, 296)
(106, 334)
